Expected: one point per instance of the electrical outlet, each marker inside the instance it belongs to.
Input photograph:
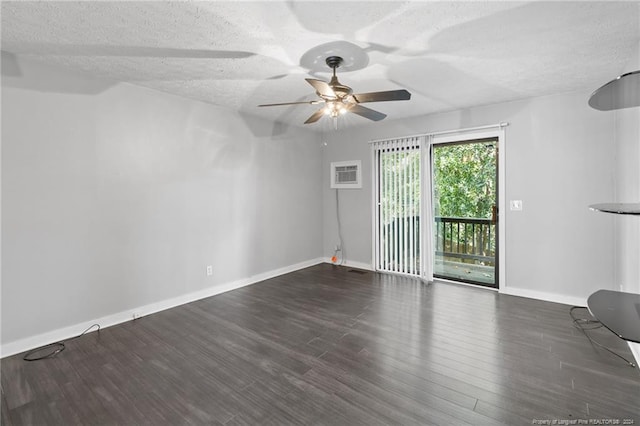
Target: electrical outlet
(515, 205)
(337, 247)
(209, 270)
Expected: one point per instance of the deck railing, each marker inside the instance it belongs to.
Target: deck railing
(455, 239)
(465, 238)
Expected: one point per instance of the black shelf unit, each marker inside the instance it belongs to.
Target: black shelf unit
(621, 92)
(617, 208)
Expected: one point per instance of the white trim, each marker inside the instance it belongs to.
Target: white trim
(31, 342)
(351, 264)
(542, 295)
(502, 208)
(635, 350)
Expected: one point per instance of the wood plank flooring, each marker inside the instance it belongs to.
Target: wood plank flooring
(330, 346)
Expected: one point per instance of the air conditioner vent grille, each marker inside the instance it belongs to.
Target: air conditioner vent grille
(346, 174)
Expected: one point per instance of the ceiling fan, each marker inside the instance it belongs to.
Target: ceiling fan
(340, 99)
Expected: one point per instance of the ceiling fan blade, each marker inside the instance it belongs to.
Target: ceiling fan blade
(322, 87)
(390, 95)
(293, 103)
(366, 112)
(315, 116)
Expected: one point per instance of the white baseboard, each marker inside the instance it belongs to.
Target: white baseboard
(350, 264)
(66, 333)
(635, 350)
(541, 295)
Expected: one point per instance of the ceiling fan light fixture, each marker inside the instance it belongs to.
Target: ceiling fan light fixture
(340, 99)
(335, 108)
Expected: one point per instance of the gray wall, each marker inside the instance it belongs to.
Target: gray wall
(115, 196)
(559, 159)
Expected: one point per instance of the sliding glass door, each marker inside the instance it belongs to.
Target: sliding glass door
(465, 211)
(435, 206)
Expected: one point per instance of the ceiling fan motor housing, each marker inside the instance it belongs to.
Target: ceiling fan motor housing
(340, 90)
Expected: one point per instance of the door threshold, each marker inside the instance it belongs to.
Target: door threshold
(448, 281)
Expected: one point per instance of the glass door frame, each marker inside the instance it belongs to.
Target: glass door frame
(461, 137)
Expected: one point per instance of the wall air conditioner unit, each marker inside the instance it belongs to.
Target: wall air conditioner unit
(346, 174)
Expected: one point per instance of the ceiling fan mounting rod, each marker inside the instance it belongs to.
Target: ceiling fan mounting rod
(334, 62)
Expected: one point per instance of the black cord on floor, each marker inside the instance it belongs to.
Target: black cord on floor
(53, 349)
(585, 324)
(342, 249)
(593, 323)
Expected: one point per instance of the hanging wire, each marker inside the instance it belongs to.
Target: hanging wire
(340, 241)
(53, 349)
(585, 324)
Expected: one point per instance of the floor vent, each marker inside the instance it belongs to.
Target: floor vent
(357, 271)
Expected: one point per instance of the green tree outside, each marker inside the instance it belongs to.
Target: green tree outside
(464, 180)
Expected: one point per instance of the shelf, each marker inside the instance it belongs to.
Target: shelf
(623, 92)
(617, 208)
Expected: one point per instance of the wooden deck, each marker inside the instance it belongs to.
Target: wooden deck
(465, 271)
(330, 346)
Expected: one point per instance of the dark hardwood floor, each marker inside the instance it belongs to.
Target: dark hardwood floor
(329, 346)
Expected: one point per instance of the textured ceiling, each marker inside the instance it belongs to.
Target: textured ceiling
(449, 55)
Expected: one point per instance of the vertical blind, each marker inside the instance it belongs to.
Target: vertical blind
(403, 199)
(397, 205)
